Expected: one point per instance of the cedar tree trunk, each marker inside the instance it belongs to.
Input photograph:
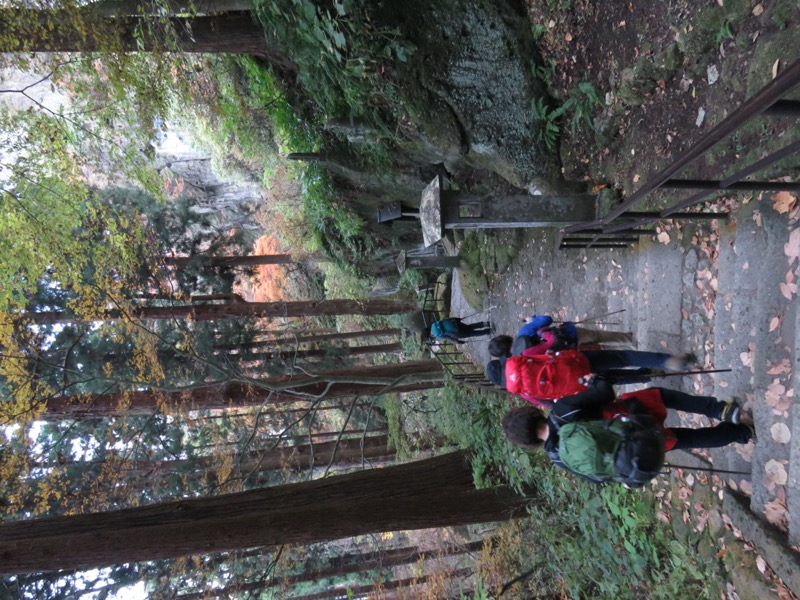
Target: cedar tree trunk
(360, 381)
(437, 492)
(238, 310)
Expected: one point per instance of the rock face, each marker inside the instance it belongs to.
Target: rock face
(468, 89)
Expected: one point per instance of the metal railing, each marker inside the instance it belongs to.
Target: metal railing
(621, 228)
(453, 360)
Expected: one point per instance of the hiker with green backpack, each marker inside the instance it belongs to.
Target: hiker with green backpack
(601, 438)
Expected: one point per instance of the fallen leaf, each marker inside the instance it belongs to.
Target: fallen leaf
(792, 247)
(782, 368)
(775, 474)
(663, 237)
(775, 511)
(775, 68)
(783, 202)
(788, 289)
(773, 324)
(780, 433)
(636, 178)
(758, 9)
(568, 36)
(761, 564)
(757, 217)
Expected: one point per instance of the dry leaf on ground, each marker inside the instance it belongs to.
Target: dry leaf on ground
(780, 433)
(775, 511)
(783, 202)
(775, 474)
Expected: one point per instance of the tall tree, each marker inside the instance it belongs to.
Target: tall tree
(366, 381)
(26, 30)
(238, 310)
(430, 493)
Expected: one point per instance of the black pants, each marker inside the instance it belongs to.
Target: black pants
(467, 330)
(703, 437)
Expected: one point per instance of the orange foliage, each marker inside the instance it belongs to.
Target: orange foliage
(270, 280)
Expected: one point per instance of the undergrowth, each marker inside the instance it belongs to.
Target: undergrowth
(580, 540)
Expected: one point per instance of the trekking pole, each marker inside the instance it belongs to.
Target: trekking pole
(682, 373)
(709, 469)
(477, 313)
(594, 318)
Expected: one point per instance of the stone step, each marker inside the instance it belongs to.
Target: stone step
(659, 318)
(774, 360)
(740, 245)
(793, 484)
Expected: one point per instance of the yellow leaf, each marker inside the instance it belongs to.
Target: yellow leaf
(759, 8)
(775, 68)
(786, 290)
(663, 237)
(773, 324)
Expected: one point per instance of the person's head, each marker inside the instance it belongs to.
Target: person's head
(496, 372)
(500, 345)
(526, 426)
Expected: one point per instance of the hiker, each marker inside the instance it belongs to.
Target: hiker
(567, 334)
(600, 438)
(542, 377)
(455, 330)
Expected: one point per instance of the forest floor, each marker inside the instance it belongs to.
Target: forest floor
(665, 73)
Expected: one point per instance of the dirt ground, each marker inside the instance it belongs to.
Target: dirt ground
(667, 72)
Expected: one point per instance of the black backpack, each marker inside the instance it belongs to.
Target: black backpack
(628, 450)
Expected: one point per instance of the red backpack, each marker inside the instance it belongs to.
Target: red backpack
(547, 376)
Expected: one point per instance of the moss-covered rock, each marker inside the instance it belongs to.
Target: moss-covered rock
(468, 87)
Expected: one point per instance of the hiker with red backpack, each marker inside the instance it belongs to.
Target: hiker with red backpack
(567, 332)
(542, 376)
(540, 329)
(601, 438)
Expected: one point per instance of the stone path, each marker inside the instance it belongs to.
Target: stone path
(724, 290)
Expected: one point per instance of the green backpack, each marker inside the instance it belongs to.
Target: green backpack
(625, 451)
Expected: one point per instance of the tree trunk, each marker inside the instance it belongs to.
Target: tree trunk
(437, 492)
(61, 31)
(294, 458)
(126, 8)
(350, 563)
(239, 310)
(359, 591)
(301, 338)
(317, 353)
(229, 261)
(366, 381)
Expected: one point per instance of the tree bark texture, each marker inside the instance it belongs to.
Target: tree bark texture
(366, 381)
(229, 261)
(301, 338)
(57, 31)
(333, 352)
(436, 492)
(239, 310)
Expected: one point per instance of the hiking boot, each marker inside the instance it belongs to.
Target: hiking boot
(731, 412)
(680, 362)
